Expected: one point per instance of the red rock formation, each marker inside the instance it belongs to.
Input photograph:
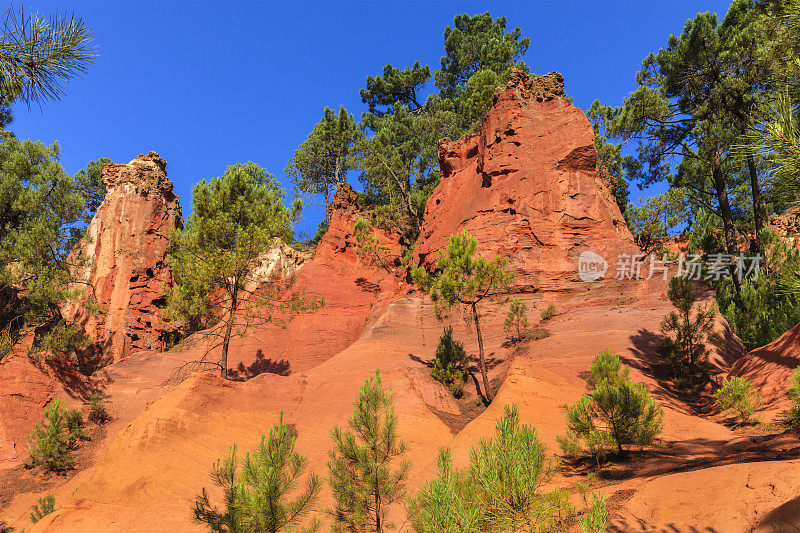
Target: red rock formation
(127, 245)
(526, 187)
(769, 368)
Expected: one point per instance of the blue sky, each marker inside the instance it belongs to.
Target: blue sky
(207, 84)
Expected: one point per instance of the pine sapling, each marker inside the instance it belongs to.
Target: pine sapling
(366, 469)
(516, 319)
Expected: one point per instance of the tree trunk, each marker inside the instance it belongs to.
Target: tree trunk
(226, 340)
(721, 191)
(378, 525)
(487, 393)
(759, 213)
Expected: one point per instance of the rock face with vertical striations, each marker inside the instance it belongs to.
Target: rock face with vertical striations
(126, 251)
(526, 187)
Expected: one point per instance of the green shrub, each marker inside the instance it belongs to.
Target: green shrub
(607, 367)
(98, 414)
(450, 363)
(769, 301)
(501, 490)
(595, 519)
(549, 312)
(616, 414)
(366, 469)
(369, 248)
(792, 415)
(50, 441)
(738, 397)
(257, 489)
(516, 319)
(73, 421)
(686, 352)
(45, 506)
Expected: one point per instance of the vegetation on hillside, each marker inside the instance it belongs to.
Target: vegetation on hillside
(235, 218)
(461, 278)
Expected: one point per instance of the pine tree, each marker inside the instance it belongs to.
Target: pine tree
(696, 99)
(363, 468)
(321, 162)
(450, 363)
(463, 279)
(509, 472)
(447, 503)
(738, 397)
(40, 208)
(38, 55)
(616, 414)
(369, 247)
(260, 490)
(234, 219)
(516, 318)
(50, 440)
(90, 184)
(687, 351)
(46, 505)
(501, 490)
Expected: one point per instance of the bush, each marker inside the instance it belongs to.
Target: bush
(45, 506)
(616, 414)
(686, 352)
(595, 517)
(450, 364)
(501, 490)
(549, 312)
(98, 414)
(792, 415)
(369, 248)
(73, 420)
(50, 441)
(256, 488)
(768, 305)
(738, 397)
(516, 319)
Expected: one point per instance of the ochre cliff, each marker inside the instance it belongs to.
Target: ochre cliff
(126, 249)
(526, 187)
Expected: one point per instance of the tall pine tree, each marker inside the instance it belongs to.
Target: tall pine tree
(367, 473)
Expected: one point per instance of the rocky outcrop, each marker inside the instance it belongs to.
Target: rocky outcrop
(787, 225)
(280, 261)
(526, 187)
(126, 249)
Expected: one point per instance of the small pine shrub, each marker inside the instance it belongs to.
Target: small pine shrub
(502, 489)
(738, 397)
(595, 518)
(369, 248)
(50, 441)
(98, 414)
(516, 319)
(792, 415)
(258, 488)
(45, 506)
(686, 331)
(450, 363)
(607, 367)
(73, 420)
(549, 312)
(616, 414)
